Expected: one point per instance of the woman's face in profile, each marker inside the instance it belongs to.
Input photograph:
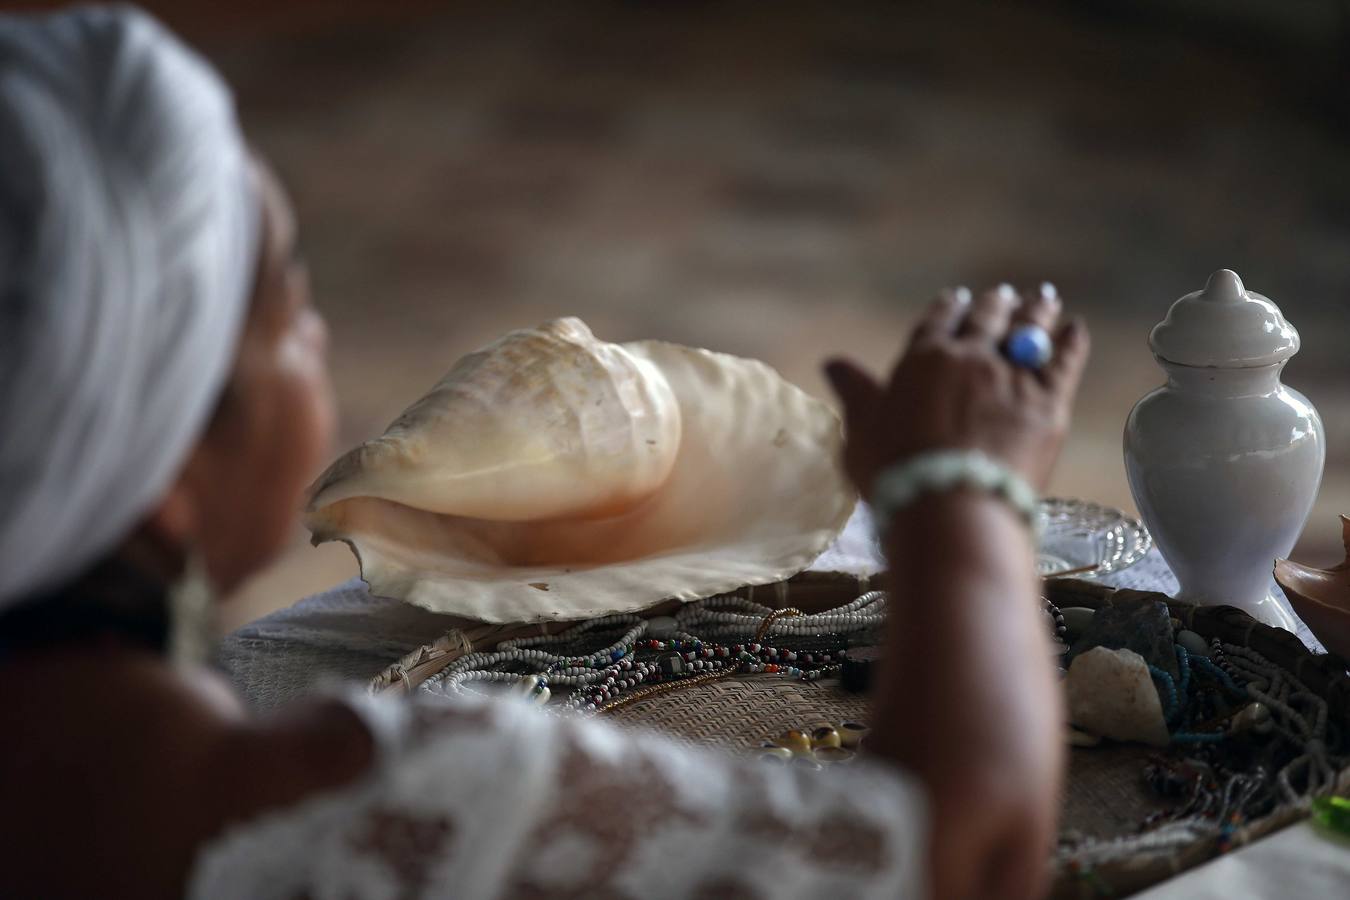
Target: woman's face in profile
(272, 430)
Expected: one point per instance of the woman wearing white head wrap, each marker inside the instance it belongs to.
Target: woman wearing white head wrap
(129, 222)
(163, 397)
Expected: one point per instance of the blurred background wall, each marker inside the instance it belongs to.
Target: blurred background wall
(788, 181)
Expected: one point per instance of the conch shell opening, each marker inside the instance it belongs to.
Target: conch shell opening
(545, 423)
(551, 475)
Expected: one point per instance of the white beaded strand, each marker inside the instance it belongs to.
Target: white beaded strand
(599, 676)
(736, 615)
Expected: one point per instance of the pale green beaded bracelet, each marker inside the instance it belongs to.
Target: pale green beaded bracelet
(946, 470)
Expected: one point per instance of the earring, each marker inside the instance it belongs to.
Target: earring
(192, 610)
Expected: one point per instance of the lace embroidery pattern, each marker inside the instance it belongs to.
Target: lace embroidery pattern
(406, 845)
(835, 841)
(493, 800)
(592, 807)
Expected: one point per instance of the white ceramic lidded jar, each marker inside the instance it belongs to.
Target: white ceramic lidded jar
(1224, 461)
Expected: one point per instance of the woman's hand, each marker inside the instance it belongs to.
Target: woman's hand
(953, 388)
(967, 700)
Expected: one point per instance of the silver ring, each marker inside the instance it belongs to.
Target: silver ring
(1029, 346)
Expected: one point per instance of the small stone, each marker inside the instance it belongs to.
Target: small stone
(799, 742)
(1111, 694)
(1143, 625)
(670, 663)
(1195, 645)
(825, 736)
(661, 628)
(1076, 621)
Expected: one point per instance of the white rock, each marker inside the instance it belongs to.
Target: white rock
(1111, 694)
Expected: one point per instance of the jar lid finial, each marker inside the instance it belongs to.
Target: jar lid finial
(1224, 326)
(1224, 286)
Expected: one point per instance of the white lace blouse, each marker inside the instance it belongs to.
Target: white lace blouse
(492, 799)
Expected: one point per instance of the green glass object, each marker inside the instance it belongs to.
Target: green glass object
(1333, 813)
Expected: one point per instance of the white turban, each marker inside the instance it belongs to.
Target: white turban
(129, 230)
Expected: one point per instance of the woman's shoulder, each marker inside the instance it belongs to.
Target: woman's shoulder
(119, 768)
(435, 770)
(144, 783)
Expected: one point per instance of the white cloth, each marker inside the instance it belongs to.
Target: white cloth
(129, 225)
(493, 799)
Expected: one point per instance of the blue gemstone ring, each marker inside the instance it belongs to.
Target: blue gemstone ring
(1028, 346)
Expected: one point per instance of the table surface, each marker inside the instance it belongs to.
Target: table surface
(345, 635)
(1301, 861)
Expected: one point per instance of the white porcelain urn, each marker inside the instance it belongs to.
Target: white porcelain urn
(1223, 460)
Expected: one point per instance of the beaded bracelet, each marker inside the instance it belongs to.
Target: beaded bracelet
(901, 484)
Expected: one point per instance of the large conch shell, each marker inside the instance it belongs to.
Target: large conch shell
(551, 475)
(1321, 597)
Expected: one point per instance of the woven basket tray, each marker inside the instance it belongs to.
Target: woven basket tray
(1105, 796)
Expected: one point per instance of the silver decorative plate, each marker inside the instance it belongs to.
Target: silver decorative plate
(1081, 539)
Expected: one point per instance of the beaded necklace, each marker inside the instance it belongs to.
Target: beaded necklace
(714, 638)
(730, 614)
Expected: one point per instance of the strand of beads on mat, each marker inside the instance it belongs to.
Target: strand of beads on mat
(678, 660)
(1181, 706)
(1278, 703)
(602, 679)
(1213, 795)
(506, 662)
(1083, 857)
(726, 669)
(1300, 718)
(1055, 617)
(730, 614)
